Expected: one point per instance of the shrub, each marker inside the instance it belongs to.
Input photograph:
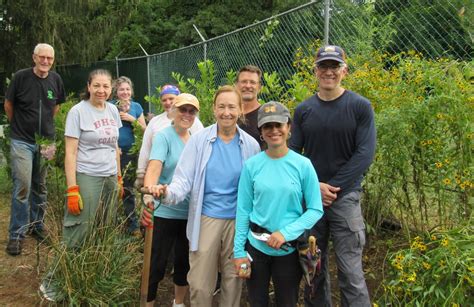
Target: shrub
(437, 269)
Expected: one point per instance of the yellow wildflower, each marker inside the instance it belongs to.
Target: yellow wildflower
(439, 165)
(426, 265)
(412, 277)
(445, 242)
(433, 237)
(447, 181)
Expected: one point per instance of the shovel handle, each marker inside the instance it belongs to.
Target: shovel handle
(312, 245)
(146, 265)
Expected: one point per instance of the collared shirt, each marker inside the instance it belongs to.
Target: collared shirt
(189, 176)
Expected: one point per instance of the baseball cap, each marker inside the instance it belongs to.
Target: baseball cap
(334, 53)
(169, 89)
(184, 99)
(273, 112)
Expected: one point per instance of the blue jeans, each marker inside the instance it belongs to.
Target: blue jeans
(29, 189)
(129, 196)
(344, 224)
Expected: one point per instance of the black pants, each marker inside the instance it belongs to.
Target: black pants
(285, 271)
(167, 232)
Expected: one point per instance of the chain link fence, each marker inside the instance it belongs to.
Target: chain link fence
(441, 28)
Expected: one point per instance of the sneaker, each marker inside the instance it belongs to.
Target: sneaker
(178, 305)
(14, 247)
(48, 291)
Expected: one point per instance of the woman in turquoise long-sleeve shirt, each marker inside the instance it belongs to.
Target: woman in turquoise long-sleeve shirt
(272, 187)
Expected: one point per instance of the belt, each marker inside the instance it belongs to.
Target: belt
(259, 229)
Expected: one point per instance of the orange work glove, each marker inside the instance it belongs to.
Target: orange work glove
(74, 200)
(147, 213)
(120, 186)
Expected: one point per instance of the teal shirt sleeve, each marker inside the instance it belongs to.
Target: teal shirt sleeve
(159, 149)
(244, 207)
(314, 208)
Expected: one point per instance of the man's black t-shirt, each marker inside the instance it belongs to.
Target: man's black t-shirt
(251, 126)
(34, 100)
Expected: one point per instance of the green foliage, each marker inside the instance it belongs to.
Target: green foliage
(441, 28)
(165, 25)
(70, 26)
(423, 167)
(155, 102)
(437, 269)
(231, 77)
(268, 32)
(204, 89)
(272, 88)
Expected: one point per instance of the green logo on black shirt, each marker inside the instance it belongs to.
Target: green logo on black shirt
(50, 94)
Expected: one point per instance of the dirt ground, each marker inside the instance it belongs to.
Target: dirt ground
(20, 275)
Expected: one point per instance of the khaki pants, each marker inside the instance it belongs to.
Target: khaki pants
(216, 244)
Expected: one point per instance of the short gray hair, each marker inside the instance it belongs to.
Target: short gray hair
(42, 46)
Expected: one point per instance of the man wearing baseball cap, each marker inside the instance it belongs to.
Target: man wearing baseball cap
(335, 129)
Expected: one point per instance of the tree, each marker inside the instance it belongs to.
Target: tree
(79, 30)
(165, 25)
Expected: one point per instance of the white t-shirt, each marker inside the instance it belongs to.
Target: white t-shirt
(156, 124)
(97, 132)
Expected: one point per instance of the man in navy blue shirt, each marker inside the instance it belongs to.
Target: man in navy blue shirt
(335, 129)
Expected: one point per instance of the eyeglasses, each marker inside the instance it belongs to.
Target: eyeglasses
(331, 67)
(190, 111)
(245, 82)
(42, 57)
(271, 126)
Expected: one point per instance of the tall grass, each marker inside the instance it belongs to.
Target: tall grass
(104, 270)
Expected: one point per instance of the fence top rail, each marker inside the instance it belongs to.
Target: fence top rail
(228, 33)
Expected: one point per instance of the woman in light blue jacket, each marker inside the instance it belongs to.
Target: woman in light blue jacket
(209, 170)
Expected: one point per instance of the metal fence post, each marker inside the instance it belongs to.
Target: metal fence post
(117, 66)
(147, 74)
(204, 40)
(326, 22)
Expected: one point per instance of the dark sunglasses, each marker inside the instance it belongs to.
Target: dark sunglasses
(272, 125)
(190, 111)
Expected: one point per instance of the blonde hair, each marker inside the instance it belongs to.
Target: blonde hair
(119, 81)
(228, 89)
